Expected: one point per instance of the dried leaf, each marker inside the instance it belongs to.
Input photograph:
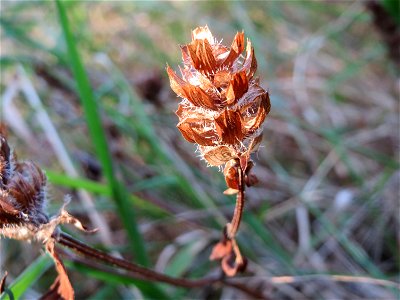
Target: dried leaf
(230, 191)
(201, 53)
(238, 86)
(232, 175)
(65, 218)
(201, 80)
(176, 83)
(231, 263)
(229, 127)
(250, 63)
(253, 123)
(198, 97)
(197, 135)
(251, 98)
(221, 250)
(194, 94)
(61, 288)
(217, 156)
(52, 293)
(181, 111)
(203, 33)
(237, 48)
(222, 78)
(231, 266)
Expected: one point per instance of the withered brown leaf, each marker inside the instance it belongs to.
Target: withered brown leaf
(221, 249)
(201, 54)
(238, 86)
(61, 288)
(229, 127)
(237, 48)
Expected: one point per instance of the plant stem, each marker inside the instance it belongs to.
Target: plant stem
(147, 274)
(151, 275)
(233, 226)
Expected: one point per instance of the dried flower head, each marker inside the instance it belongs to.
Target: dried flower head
(222, 110)
(223, 106)
(22, 200)
(22, 212)
(22, 195)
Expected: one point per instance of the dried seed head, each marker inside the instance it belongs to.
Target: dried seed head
(22, 196)
(222, 111)
(223, 106)
(27, 189)
(22, 215)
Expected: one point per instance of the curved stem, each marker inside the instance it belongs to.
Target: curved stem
(233, 226)
(147, 274)
(89, 252)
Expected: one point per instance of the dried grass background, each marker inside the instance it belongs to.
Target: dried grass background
(328, 199)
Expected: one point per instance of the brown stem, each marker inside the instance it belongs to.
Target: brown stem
(138, 272)
(233, 226)
(239, 258)
(89, 252)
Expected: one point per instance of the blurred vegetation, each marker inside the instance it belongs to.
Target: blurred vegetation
(327, 201)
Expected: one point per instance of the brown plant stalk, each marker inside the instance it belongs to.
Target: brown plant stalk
(142, 273)
(256, 292)
(233, 227)
(222, 110)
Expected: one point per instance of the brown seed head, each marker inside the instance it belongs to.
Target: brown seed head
(22, 195)
(22, 214)
(223, 106)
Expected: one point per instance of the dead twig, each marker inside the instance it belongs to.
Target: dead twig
(142, 273)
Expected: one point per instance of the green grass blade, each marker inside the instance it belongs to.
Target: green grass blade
(27, 278)
(182, 260)
(78, 183)
(98, 188)
(99, 139)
